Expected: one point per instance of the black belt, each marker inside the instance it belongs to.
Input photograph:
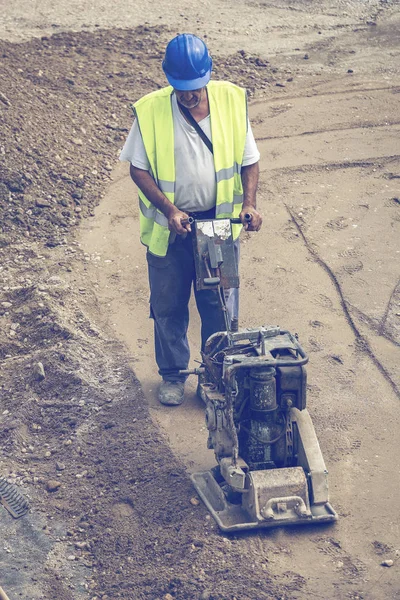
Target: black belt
(202, 215)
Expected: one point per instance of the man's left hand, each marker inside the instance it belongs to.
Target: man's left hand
(256, 219)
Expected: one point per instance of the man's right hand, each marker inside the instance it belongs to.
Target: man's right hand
(175, 222)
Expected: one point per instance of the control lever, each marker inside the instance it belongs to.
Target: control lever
(210, 280)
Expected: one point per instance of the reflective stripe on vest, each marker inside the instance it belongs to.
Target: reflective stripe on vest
(228, 111)
(150, 212)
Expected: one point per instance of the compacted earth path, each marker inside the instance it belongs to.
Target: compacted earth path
(105, 468)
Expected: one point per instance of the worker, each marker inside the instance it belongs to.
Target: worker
(192, 153)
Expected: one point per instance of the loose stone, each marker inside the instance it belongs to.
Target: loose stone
(52, 485)
(38, 371)
(387, 563)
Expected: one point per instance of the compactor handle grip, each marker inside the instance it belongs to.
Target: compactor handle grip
(188, 221)
(247, 218)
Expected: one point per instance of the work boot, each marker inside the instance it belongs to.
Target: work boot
(171, 393)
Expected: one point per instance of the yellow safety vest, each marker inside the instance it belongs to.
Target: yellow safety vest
(228, 111)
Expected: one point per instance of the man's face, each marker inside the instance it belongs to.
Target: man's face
(189, 99)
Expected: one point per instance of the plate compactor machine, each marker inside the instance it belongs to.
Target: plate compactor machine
(270, 469)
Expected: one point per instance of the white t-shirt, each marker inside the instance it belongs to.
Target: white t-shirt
(196, 185)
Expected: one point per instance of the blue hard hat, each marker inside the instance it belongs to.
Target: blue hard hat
(187, 63)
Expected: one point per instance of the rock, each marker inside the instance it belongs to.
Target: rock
(52, 485)
(81, 545)
(168, 597)
(71, 557)
(55, 280)
(4, 99)
(350, 71)
(42, 203)
(38, 372)
(4, 192)
(66, 177)
(52, 243)
(387, 563)
(77, 142)
(4, 241)
(205, 596)
(60, 466)
(15, 183)
(6, 304)
(194, 501)
(306, 57)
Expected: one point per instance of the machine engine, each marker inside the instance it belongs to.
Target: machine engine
(270, 468)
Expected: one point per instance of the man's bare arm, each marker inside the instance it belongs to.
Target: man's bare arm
(250, 175)
(147, 185)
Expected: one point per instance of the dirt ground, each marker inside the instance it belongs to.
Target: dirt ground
(106, 470)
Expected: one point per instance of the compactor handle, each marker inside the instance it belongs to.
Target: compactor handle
(235, 221)
(247, 218)
(188, 221)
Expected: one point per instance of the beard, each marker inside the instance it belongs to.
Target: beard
(192, 103)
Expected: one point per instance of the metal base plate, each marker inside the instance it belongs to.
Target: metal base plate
(233, 517)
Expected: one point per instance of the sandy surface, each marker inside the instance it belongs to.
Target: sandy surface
(325, 265)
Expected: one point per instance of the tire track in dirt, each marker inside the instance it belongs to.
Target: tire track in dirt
(363, 343)
(335, 166)
(381, 328)
(373, 324)
(346, 92)
(333, 130)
